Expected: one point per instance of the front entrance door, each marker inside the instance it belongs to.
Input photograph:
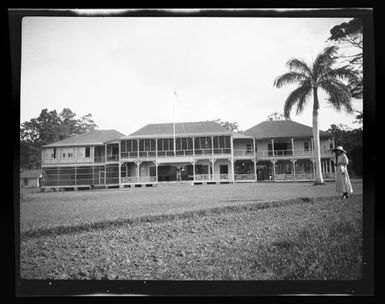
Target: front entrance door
(166, 173)
(224, 169)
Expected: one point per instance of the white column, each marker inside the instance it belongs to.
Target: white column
(213, 168)
(292, 145)
(232, 158)
(193, 144)
(272, 146)
(212, 146)
(138, 147)
(274, 161)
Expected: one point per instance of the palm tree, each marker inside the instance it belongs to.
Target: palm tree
(319, 75)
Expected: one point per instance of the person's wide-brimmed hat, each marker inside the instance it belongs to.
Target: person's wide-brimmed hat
(339, 148)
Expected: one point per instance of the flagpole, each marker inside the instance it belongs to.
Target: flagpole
(173, 114)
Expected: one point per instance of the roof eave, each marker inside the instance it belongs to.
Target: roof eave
(72, 145)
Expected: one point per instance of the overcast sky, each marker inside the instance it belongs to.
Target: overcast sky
(124, 70)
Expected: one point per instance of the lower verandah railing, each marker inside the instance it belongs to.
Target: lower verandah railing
(100, 178)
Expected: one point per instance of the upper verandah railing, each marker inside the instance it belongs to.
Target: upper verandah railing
(290, 152)
(178, 153)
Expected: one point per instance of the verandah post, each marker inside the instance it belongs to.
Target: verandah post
(232, 158)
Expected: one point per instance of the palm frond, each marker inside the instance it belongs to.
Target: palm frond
(339, 94)
(324, 60)
(297, 65)
(298, 96)
(289, 78)
(344, 72)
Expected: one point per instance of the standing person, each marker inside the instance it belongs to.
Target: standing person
(343, 184)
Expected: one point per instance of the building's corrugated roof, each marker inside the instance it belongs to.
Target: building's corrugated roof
(96, 137)
(281, 128)
(181, 129)
(30, 173)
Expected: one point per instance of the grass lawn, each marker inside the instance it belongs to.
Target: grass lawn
(317, 239)
(44, 211)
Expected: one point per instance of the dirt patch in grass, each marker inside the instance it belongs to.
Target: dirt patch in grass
(316, 240)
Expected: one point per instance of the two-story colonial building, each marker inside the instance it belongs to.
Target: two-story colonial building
(285, 151)
(196, 153)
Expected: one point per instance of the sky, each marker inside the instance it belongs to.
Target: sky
(124, 70)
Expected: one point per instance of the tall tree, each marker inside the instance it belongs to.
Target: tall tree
(49, 127)
(350, 35)
(319, 75)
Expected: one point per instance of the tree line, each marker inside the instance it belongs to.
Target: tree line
(49, 127)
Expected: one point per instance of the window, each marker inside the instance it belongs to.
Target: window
(306, 146)
(87, 151)
(222, 141)
(70, 155)
(227, 142)
(141, 144)
(64, 155)
(54, 153)
(248, 148)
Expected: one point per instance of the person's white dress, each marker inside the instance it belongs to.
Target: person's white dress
(342, 177)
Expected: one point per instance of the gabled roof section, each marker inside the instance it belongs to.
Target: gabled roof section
(30, 173)
(96, 137)
(181, 129)
(281, 128)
